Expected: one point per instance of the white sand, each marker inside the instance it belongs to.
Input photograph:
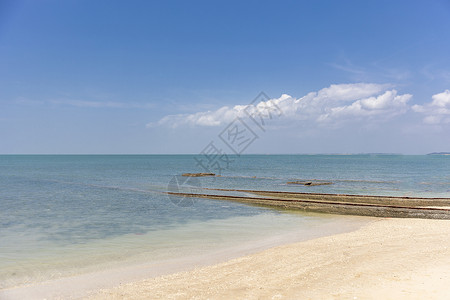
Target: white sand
(387, 259)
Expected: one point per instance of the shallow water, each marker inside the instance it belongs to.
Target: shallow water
(66, 215)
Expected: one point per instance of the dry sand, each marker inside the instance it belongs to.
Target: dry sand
(386, 259)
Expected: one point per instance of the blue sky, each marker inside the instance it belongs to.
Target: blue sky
(169, 76)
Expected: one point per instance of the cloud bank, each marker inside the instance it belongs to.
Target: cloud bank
(437, 111)
(332, 105)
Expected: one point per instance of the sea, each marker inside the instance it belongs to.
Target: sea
(66, 215)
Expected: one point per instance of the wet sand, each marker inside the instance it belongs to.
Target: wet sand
(386, 259)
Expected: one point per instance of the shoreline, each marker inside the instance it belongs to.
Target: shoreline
(79, 286)
(133, 280)
(387, 258)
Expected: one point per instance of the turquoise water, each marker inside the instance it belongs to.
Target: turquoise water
(395, 175)
(66, 214)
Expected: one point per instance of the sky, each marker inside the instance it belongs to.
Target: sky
(169, 77)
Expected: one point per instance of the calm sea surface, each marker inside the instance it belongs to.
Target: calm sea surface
(65, 214)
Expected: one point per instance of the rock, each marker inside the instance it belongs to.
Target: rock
(310, 183)
(198, 174)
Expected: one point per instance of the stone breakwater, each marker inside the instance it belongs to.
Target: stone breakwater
(343, 204)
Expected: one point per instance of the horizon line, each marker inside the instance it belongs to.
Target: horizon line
(233, 154)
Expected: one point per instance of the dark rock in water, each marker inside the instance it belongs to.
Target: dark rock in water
(198, 174)
(310, 183)
(439, 153)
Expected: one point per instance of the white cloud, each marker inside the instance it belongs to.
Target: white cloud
(385, 105)
(335, 103)
(346, 92)
(437, 111)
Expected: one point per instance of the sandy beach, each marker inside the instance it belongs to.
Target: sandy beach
(224, 150)
(386, 259)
